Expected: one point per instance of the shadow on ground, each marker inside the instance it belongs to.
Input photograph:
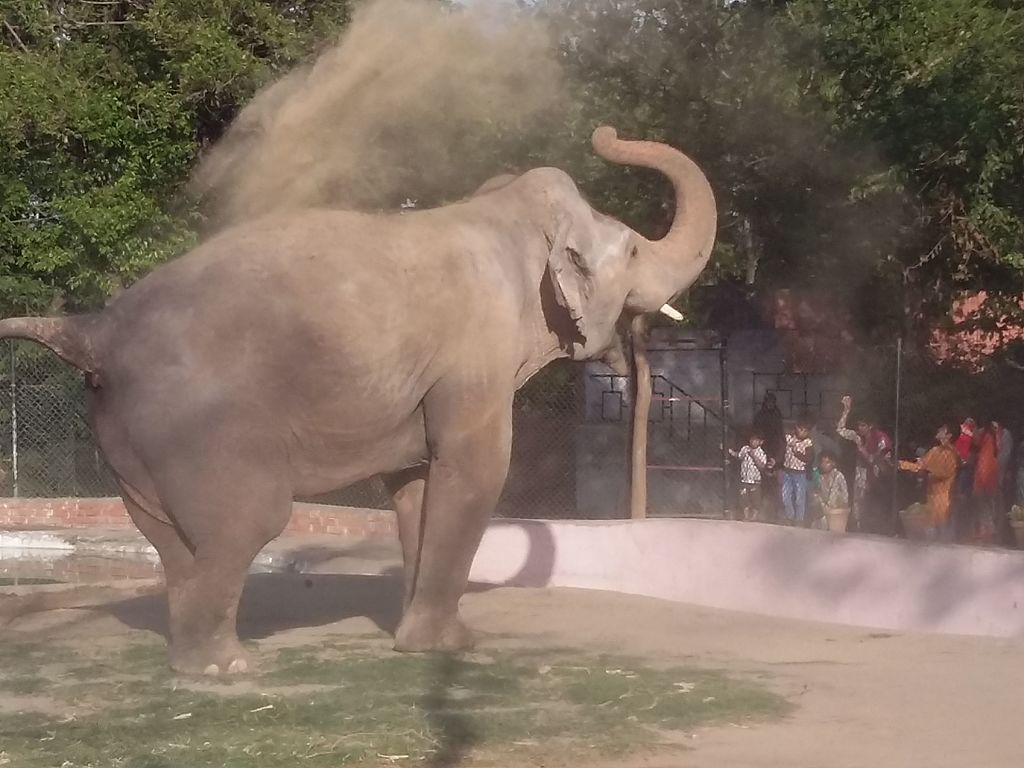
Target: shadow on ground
(450, 725)
(275, 602)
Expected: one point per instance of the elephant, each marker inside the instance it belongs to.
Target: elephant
(298, 353)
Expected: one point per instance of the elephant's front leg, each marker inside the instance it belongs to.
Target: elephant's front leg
(470, 442)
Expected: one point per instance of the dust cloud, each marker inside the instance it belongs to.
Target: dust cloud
(416, 100)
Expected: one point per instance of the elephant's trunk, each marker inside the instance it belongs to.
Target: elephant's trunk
(670, 265)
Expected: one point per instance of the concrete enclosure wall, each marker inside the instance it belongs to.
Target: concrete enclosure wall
(818, 576)
(793, 573)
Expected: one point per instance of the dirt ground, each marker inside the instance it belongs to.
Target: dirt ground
(861, 698)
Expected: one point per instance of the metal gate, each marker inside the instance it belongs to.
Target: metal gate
(797, 394)
(687, 432)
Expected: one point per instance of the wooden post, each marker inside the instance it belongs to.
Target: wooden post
(641, 381)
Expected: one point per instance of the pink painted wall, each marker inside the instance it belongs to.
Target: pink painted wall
(860, 580)
(814, 575)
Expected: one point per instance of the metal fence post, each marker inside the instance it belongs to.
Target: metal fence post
(896, 430)
(723, 367)
(14, 419)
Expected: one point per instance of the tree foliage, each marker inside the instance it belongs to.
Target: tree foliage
(873, 150)
(104, 106)
(938, 87)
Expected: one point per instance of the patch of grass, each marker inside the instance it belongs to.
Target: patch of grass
(23, 684)
(27, 668)
(142, 657)
(676, 698)
(92, 670)
(335, 704)
(14, 653)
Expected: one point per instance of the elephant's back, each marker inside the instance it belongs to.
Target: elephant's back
(315, 293)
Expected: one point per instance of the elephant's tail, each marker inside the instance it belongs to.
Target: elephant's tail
(67, 336)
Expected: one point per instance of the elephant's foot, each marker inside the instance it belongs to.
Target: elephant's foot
(425, 633)
(213, 660)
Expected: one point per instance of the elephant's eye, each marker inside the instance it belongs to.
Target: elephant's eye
(577, 261)
(633, 251)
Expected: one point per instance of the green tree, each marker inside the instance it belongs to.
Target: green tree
(938, 87)
(103, 109)
(870, 149)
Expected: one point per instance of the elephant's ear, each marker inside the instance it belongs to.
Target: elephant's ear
(571, 276)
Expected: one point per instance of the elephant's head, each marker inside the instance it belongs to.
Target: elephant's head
(602, 272)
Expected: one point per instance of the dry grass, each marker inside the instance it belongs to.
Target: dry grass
(355, 702)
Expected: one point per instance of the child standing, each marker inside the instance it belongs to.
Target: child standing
(753, 461)
(794, 478)
(831, 491)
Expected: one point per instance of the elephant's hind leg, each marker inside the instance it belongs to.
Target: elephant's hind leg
(225, 523)
(407, 489)
(175, 556)
(140, 498)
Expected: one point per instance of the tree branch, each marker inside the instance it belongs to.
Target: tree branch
(15, 36)
(103, 23)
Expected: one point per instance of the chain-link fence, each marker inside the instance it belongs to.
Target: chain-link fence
(542, 476)
(47, 448)
(571, 429)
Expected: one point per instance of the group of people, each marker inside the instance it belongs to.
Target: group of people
(795, 477)
(971, 483)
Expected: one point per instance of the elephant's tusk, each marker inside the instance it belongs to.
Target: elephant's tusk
(672, 312)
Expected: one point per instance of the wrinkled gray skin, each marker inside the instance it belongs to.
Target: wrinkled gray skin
(302, 352)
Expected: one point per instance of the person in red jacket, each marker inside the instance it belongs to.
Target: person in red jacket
(965, 440)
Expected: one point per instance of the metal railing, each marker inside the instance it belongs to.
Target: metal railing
(48, 448)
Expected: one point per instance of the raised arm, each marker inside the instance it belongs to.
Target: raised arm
(841, 429)
(847, 402)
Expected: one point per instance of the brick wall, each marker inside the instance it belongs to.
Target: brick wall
(110, 513)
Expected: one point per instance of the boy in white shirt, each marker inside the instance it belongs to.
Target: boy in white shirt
(794, 473)
(753, 461)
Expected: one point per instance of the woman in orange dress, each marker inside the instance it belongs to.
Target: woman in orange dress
(940, 464)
